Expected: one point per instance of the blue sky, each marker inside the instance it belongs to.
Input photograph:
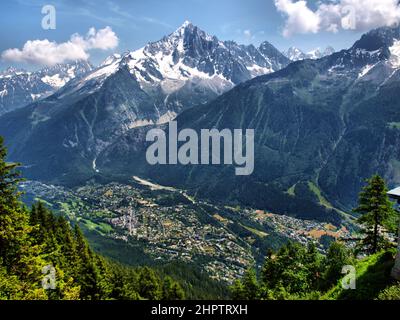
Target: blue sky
(137, 22)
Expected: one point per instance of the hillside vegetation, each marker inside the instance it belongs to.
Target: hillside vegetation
(360, 273)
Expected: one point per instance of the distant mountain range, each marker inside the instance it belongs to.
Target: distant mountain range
(147, 86)
(295, 54)
(19, 88)
(187, 68)
(321, 125)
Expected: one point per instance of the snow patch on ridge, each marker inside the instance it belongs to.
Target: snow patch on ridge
(3, 93)
(395, 54)
(365, 70)
(55, 81)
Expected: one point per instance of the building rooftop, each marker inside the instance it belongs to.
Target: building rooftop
(395, 193)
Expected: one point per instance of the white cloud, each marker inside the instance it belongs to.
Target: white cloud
(331, 16)
(103, 39)
(300, 19)
(247, 33)
(45, 52)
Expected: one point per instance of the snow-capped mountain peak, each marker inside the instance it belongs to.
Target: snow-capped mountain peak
(186, 23)
(60, 74)
(328, 51)
(314, 54)
(296, 54)
(11, 71)
(19, 87)
(189, 55)
(111, 59)
(395, 54)
(377, 54)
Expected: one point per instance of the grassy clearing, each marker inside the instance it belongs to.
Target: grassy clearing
(372, 277)
(257, 232)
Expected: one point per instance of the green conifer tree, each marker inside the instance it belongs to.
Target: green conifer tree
(18, 256)
(377, 214)
(172, 290)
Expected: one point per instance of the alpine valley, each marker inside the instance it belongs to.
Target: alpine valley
(323, 124)
(318, 133)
